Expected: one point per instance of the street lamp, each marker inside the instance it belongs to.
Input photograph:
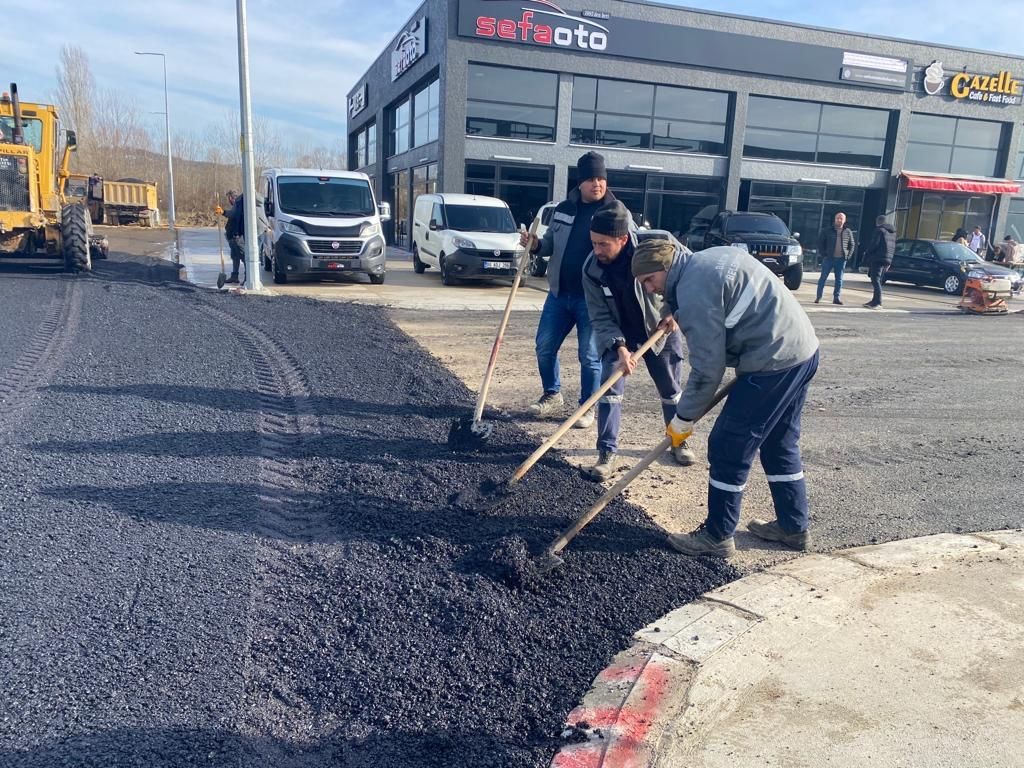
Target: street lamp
(167, 129)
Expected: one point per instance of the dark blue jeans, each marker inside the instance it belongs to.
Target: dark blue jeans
(761, 414)
(666, 371)
(560, 315)
(829, 264)
(877, 273)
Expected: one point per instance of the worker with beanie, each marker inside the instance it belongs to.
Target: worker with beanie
(623, 317)
(567, 243)
(735, 313)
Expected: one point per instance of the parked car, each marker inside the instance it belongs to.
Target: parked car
(539, 264)
(765, 236)
(319, 223)
(467, 237)
(943, 264)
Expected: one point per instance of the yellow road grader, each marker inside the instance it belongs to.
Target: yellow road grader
(37, 219)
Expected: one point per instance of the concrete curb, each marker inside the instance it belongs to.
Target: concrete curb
(636, 700)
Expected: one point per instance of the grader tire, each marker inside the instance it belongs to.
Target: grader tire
(74, 233)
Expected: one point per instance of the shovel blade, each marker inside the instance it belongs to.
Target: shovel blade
(548, 562)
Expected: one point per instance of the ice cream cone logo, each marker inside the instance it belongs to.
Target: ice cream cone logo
(934, 78)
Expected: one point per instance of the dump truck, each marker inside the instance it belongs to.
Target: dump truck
(124, 201)
(37, 220)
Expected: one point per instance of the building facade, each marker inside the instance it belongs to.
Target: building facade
(694, 112)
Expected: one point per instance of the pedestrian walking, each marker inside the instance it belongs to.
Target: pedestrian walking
(835, 245)
(234, 231)
(567, 243)
(960, 236)
(622, 318)
(879, 257)
(978, 242)
(735, 313)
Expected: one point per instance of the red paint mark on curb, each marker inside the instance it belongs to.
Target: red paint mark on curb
(625, 727)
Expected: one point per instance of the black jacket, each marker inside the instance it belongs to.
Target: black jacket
(235, 226)
(827, 243)
(882, 247)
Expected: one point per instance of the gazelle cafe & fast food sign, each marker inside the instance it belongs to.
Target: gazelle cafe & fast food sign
(1000, 88)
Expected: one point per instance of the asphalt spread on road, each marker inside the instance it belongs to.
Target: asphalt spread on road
(231, 537)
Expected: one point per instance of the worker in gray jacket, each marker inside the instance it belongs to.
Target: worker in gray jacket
(735, 313)
(622, 318)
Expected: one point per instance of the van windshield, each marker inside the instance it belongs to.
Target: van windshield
(479, 218)
(324, 196)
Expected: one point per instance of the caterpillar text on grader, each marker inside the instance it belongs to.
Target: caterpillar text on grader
(37, 220)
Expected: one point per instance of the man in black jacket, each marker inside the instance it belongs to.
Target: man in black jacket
(835, 246)
(879, 258)
(234, 230)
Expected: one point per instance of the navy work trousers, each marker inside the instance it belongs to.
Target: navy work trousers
(761, 414)
(666, 369)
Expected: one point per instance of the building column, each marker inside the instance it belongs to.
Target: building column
(739, 132)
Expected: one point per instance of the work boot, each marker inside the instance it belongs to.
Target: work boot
(772, 531)
(605, 466)
(586, 421)
(700, 542)
(550, 404)
(836, 300)
(870, 305)
(684, 455)
(232, 279)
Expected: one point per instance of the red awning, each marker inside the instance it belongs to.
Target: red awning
(960, 184)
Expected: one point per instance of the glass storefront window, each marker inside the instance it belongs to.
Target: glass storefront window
(511, 103)
(953, 145)
(525, 188)
(363, 147)
(1015, 220)
(400, 129)
(426, 108)
(371, 143)
(802, 131)
(932, 216)
(644, 116)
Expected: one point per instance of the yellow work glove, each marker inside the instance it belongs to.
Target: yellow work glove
(679, 429)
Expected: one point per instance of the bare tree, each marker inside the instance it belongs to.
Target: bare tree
(76, 95)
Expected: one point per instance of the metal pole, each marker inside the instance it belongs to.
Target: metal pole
(167, 132)
(252, 266)
(170, 163)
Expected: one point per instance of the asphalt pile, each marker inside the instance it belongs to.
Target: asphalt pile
(153, 620)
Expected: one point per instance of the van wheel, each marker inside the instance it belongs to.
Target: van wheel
(446, 276)
(538, 267)
(280, 277)
(417, 266)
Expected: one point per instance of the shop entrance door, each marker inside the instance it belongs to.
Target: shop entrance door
(401, 212)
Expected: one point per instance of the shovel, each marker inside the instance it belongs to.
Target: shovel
(546, 446)
(222, 277)
(463, 430)
(550, 559)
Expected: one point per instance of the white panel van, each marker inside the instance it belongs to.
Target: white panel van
(466, 237)
(321, 223)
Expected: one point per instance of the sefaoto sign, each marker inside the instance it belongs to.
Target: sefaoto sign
(546, 24)
(410, 47)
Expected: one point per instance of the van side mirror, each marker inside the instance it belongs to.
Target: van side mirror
(433, 225)
(268, 207)
(796, 235)
(72, 139)
(384, 211)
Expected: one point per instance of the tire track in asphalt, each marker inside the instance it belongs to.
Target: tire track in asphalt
(283, 520)
(43, 355)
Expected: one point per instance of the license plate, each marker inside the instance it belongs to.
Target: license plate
(497, 265)
(337, 265)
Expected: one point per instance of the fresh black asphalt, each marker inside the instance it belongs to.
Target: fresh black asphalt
(228, 537)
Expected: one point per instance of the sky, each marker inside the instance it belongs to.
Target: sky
(305, 55)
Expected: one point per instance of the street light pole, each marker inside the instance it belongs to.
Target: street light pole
(167, 130)
(253, 279)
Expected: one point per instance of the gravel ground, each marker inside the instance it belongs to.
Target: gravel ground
(229, 538)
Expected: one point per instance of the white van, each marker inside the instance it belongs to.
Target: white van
(467, 237)
(321, 223)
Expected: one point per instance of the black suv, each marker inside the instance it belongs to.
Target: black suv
(765, 236)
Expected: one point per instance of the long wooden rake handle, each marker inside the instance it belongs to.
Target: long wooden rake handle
(591, 401)
(562, 541)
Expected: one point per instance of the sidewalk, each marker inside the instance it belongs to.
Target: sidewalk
(402, 288)
(907, 654)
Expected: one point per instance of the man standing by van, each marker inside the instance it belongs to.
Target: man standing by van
(567, 243)
(623, 318)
